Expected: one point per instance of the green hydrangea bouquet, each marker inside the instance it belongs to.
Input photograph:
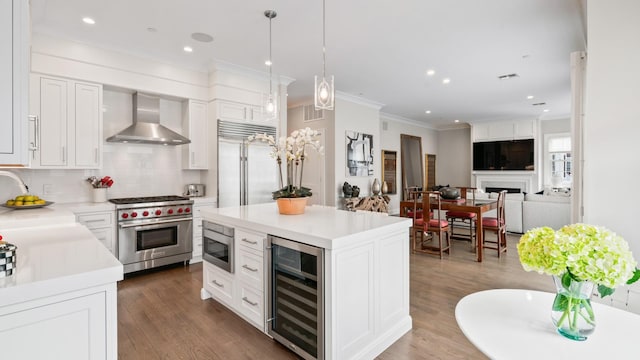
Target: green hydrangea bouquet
(578, 256)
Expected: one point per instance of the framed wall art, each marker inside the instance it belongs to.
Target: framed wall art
(359, 154)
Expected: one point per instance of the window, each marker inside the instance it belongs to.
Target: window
(558, 160)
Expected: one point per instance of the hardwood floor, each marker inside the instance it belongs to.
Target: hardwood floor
(161, 316)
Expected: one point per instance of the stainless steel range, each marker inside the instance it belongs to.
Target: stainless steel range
(153, 231)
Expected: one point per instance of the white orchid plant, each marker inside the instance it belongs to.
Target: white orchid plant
(293, 149)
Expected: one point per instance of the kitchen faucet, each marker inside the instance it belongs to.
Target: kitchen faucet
(15, 177)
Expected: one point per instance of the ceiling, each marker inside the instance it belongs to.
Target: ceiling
(377, 49)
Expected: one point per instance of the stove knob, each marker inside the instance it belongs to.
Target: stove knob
(170, 211)
(187, 209)
(145, 213)
(125, 215)
(180, 211)
(158, 212)
(134, 214)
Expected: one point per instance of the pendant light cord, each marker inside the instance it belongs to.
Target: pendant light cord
(324, 55)
(270, 60)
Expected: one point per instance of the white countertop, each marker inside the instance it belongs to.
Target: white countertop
(56, 259)
(320, 226)
(27, 218)
(516, 324)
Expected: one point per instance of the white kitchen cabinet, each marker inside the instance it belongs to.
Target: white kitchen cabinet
(243, 290)
(198, 205)
(504, 130)
(524, 130)
(14, 81)
(102, 225)
(194, 123)
(67, 130)
(239, 112)
(71, 326)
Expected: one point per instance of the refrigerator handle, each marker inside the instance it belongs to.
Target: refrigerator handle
(245, 180)
(243, 173)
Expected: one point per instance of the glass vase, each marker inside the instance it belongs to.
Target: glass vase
(571, 312)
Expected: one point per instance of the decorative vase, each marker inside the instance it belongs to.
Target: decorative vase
(291, 206)
(449, 193)
(375, 187)
(99, 195)
(385, 187)
(571, 312)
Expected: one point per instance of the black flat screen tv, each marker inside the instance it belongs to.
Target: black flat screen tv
(503, 155)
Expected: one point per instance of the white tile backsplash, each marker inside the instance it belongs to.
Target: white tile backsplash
(137, 169)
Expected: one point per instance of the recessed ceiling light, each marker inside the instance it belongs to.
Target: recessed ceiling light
(202, 37)
(530, 97)
(268, 63)
(430, 72)
(88, 20)
(446, 80)
(427, 112)
(546, 110)
(188, 49)
(456, 121)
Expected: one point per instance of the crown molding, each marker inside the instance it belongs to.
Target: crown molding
(404, 120)
(219, 65)
(359, 100)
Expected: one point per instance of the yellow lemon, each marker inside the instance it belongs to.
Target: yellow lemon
(28, 203)
(40, 202)
(20, 198)
(10, 202)
(28, 198)
(18, 203)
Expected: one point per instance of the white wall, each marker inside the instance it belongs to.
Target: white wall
(359, 117)
(453, 160)
(612, 117)
(390, 140)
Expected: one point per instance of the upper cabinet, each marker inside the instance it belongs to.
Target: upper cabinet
(194, 124)
(232, 111)
(65, 130)
(504, 130)
(14, 84)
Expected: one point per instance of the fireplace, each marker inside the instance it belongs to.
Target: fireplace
(490, 189)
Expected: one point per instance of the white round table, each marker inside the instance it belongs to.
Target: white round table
(516, 324)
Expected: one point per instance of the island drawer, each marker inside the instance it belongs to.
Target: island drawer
(252, 305)
(250, 239)
(250, 268)
(219, 284)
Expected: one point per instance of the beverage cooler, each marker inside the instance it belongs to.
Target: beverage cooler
(296, 290)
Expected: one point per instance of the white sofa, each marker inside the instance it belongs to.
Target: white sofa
(525, 212)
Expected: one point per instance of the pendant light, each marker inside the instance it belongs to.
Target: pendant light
(324, 89)
(270, 101)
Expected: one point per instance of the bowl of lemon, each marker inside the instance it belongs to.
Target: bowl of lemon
(26, 202)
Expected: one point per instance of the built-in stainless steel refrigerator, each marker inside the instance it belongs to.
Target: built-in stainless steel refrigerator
(246, 172)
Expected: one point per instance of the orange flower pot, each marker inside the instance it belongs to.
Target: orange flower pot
(291, 206)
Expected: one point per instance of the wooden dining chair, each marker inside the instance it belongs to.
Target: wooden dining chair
(416, 213)
(498, 225)
(433, 226)
(465, 219)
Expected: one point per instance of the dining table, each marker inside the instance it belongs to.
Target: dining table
(516, 324)
(477, 206)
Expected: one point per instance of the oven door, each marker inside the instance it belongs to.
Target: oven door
(140, 241)
(217, 249)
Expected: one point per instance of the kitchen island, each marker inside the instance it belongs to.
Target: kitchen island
(365, 267)
(61, 300)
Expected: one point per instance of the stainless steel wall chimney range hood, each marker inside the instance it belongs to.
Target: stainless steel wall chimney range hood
(146, 128)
